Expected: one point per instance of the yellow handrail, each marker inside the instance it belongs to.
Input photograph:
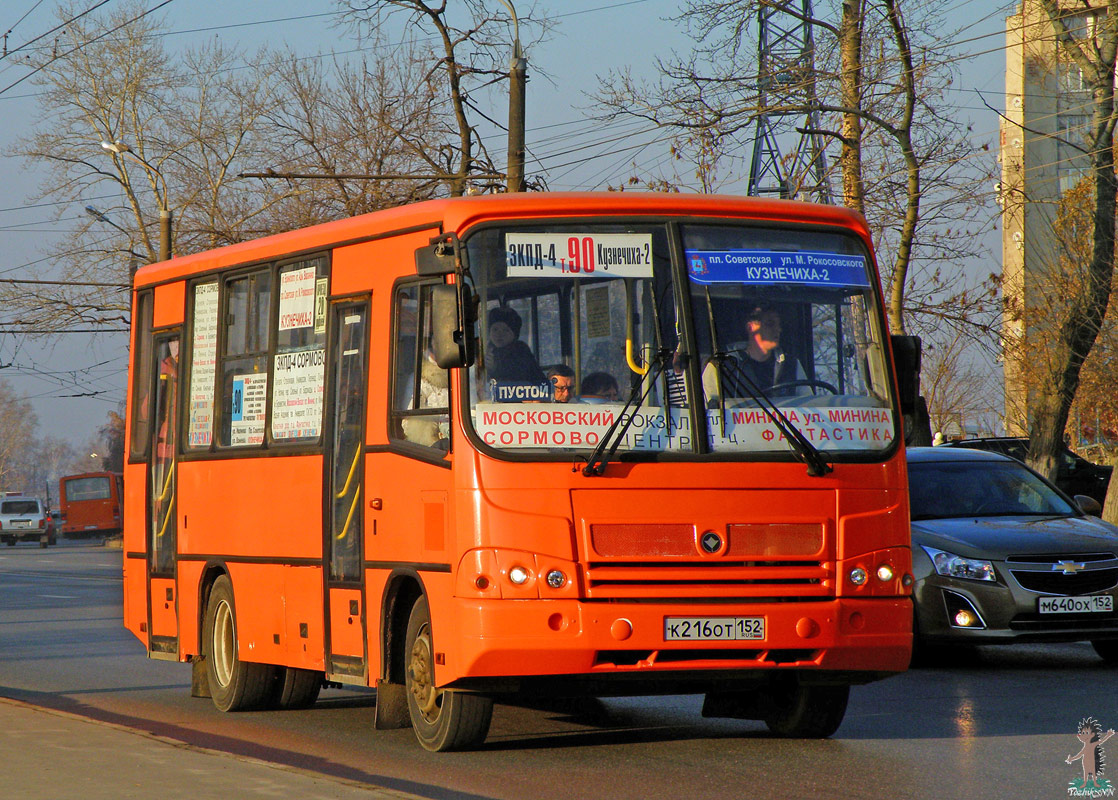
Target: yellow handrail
(352, 471)
(349, 517)
(631, 360)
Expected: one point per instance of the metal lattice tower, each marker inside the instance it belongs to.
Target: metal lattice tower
(787, 162)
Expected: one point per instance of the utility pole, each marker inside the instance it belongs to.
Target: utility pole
(518, 79)
(787, 162)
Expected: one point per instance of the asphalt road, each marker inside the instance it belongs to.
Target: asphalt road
(997, 723)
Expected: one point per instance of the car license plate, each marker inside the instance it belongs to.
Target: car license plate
(1087, 604)
(707, 629)
(21, 523)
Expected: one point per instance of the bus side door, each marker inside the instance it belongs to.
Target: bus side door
(346, 620)
(161, 528)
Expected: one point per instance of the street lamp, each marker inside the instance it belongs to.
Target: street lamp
(121, 149)
(518, 77)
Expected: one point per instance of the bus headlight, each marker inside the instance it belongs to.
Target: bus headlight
(519, 575)
(556, 579)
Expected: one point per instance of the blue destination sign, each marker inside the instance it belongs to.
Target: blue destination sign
(775, 267)
(501, 392)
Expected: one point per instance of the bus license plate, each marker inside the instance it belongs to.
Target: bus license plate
(1088, 604)
(707, 629)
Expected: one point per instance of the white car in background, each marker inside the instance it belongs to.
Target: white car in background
(25, 519)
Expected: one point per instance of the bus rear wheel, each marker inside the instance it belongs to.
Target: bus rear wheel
(806, 712)
(443, 719)
(295, 687)
(235, 685)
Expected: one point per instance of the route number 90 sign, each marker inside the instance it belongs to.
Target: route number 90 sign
(590, 255)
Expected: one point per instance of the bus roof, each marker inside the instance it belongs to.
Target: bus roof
(459, 213)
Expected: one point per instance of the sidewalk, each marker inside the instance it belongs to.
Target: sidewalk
(48, 755)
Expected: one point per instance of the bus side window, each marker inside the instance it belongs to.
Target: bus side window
(244, 362)
(420, 388)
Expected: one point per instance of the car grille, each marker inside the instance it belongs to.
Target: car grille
(1059, 583)
(1044, 573)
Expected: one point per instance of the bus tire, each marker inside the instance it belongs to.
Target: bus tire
(295, 687)
(443, 719)
(806, 712)
(235, 685)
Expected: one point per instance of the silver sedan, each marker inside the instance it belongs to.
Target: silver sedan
(1000, 555)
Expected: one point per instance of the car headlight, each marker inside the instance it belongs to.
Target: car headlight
(953, 566)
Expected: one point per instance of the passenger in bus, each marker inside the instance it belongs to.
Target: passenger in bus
(168, 394)
(433, 430)
(757, 360)
(562, 379)
(507, 359)
(599, 387)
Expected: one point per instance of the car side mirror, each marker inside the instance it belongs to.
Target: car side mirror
(1088, 505)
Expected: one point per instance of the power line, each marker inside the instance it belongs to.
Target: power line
(58, 27)
(88, 42)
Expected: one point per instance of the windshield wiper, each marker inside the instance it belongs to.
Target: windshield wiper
(616, 431)
(808, 453)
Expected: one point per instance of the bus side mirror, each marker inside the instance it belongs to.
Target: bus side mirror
(452, 325)
(440, 257)
(906, 357)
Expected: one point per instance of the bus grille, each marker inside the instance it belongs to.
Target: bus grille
(775, 580)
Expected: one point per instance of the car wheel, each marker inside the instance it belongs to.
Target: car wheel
(235, 685)
(443, 719)
(1107, 649)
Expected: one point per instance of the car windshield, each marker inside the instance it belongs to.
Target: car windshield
(952, 489)
(19, 507)
(577, 319)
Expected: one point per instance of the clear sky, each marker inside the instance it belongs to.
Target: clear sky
(74, 381)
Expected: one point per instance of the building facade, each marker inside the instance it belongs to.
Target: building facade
(1047, 109)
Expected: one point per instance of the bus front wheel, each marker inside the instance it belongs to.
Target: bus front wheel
(443, 719)
(235, 685)
(806, 712)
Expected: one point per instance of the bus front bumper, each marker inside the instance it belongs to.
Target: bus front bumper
(512, 638)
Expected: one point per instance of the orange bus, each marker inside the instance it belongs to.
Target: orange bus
(89, 504)
(349, 462)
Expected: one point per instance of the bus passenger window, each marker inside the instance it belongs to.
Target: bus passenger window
(421, 389)
(244, 362)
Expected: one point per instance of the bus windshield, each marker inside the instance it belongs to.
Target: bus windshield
(694, 337)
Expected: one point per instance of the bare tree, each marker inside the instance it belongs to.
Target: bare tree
(174, 128)
(382, 119)
(485, 39)
(17, 438)
(182, 128)
(958, 391)
(904, 163)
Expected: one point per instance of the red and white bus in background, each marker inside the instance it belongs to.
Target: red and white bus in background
(90, 504)
(347, 463)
